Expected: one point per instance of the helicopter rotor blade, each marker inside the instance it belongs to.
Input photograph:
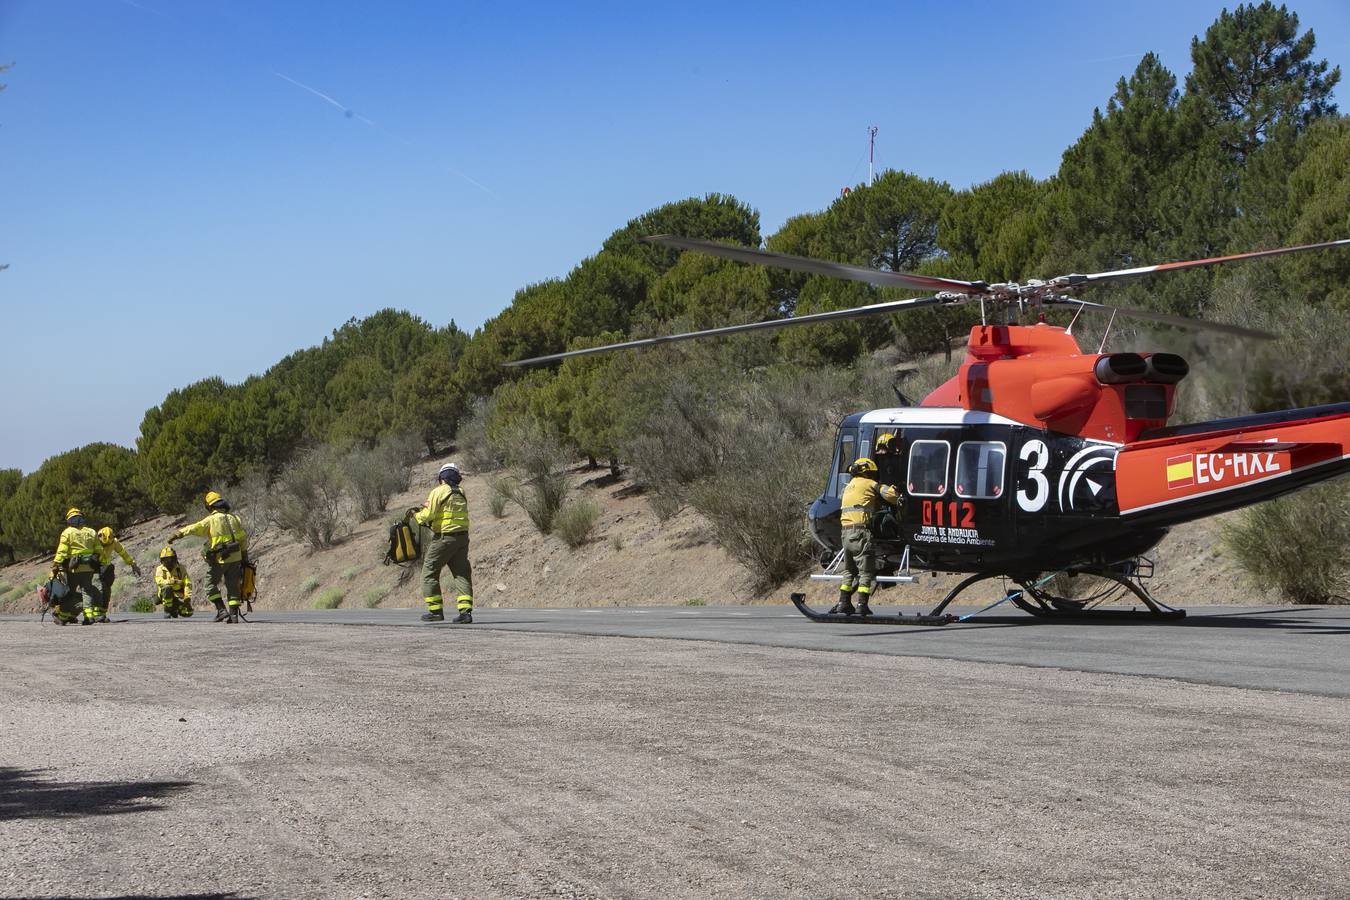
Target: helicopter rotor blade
(1097, 277)
(1179, 321)
(836, 315)
(877, 277)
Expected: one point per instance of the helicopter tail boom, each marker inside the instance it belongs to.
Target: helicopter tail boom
(1177, 478)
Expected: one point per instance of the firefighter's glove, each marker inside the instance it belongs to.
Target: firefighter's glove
(412, 512)
(136, 569)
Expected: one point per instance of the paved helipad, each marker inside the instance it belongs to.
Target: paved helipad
(1304, 649)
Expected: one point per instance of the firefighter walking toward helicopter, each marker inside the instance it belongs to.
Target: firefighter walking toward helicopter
(446, 515)
(863, 498)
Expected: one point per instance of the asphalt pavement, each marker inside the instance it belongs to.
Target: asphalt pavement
(1303, 649)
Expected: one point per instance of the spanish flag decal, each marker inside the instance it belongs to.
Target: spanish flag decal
(1180, 471)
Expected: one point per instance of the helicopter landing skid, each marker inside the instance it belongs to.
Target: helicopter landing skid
(1035, 599)
(799, 601)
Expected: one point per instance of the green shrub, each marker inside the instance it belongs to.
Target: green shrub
(351, 573)
(140, 604)
(617, 543)
(538, 454)
(307, 502)
(374, 597)
(1299, 545)
(497, 502)
(471, 437)
(770, 428)
(309, 585)
(375, 475)
(329, 599)
(575, 522)
(694, 601)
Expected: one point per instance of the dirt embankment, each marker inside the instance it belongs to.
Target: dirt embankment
(632, 560)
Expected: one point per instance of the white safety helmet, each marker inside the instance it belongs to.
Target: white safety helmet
(450, 473)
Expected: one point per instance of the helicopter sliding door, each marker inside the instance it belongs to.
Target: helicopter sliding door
(956, 496)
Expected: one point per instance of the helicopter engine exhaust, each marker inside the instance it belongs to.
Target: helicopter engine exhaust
(1121, 368)
(1166, 368)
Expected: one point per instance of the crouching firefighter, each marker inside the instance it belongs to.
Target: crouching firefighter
(446, 515)
(173, 585)
(225, 552)
(107, 574)
(863, 498)
(76, 563)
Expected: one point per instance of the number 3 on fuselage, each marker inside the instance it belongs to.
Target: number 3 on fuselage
(1034, 489)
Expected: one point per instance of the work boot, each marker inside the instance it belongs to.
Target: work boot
(465, 617)
(234, 615)
(844, 606)
(103, 619)
(436, 616)
(863, 608)
(221, 614)
(169, 614)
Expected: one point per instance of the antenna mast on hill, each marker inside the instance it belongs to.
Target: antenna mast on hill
(871, 152)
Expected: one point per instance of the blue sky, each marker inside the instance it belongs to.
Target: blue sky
(174, 208)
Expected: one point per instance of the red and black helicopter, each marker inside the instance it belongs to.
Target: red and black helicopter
(1038, 458)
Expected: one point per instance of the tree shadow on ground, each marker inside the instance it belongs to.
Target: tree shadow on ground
(31, 794)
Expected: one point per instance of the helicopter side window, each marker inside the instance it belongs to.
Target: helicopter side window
(928, 468)
(979, 469)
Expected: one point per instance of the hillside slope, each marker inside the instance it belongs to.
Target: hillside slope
(633, 560)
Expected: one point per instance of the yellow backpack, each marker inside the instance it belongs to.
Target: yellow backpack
(249, 589)
(404, 546)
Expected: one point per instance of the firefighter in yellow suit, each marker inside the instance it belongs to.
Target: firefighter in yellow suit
(107, 574)
(446, 515)
(77, 561)
(863, 497)
(173, 585)
(225, 552)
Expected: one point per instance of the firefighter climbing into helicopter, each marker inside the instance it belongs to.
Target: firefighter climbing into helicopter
(863, 499)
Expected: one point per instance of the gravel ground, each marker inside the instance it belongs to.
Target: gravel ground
(279, 760)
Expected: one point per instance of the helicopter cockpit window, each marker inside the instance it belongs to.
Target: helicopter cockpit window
(928, 468)
(979, 469)
(845, 454)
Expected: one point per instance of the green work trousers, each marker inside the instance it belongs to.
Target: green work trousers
(860, 561)
(82, 583)
(447, 551)
(174, 604)
(230, 575)
(106, 576)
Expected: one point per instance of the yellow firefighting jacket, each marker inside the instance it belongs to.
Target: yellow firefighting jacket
(106, 551)
(220, 528)
(446, 510)
(176, 578)
(862, 497)
(76, 546)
